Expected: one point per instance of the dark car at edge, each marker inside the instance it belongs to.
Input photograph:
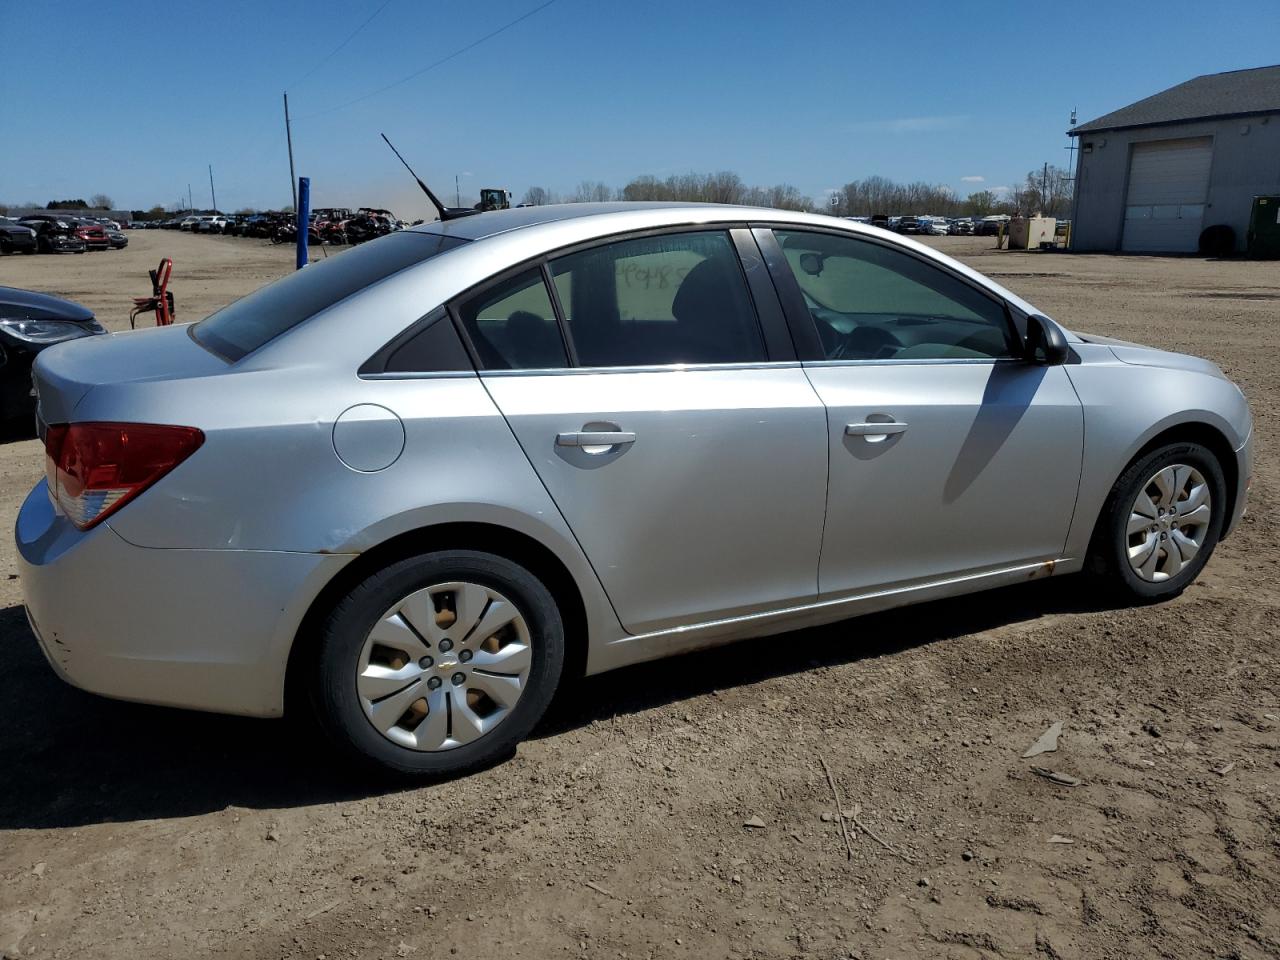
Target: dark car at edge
(29, 323)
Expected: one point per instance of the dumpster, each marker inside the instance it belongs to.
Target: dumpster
(1030, 233)
(1264, 229)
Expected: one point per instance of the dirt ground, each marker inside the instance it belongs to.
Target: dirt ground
(680, 809)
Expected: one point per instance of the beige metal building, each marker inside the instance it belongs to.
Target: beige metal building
(1151, 176)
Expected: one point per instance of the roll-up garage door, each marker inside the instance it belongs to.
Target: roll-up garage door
(1168, 187)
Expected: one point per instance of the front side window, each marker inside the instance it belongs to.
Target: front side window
(871, 302)
(674, 299)
(512, 325)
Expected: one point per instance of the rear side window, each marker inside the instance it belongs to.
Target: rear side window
(242, 327)
(674, 299)
(513, 325)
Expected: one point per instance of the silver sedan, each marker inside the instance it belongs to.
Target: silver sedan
(424, 480)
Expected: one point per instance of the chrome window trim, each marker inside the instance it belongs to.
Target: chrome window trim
(417, 375)
(926, 361)
(649, 368)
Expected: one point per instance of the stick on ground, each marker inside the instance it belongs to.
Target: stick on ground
(835, 793)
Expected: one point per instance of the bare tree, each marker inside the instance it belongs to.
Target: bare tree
(538, 196)
(100, 201)
(981, 203)
(591, 191)
(1048, 191)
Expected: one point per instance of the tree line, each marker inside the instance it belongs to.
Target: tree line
(1047, 191)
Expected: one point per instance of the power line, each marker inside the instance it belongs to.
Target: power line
(431, 66)
(351, 36)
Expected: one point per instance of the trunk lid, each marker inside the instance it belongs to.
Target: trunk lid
(65, 373)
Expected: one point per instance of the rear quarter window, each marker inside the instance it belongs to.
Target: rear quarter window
(242, 327)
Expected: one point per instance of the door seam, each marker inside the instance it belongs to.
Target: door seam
(1084, 439)
(826, 500)
(555, 503)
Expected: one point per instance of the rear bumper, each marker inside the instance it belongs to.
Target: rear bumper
(201, 629)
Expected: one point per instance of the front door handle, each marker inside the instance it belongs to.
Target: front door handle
(874, 432)
(595, 438)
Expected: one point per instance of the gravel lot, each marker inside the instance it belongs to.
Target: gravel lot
(625, 827)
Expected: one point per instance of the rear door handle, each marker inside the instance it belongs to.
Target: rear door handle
(595, 438)
(876, 430)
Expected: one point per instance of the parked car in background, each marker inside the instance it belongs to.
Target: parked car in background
(188, 223)
(934, 226)
(117, 239)
(961, 227)
(16, 237)
(287, 452)
(93, 234)
(54, 235)
(990, 226)
(908, 225)
(31, 322)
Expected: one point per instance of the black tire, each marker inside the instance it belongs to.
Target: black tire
(333, 688)
(1218, 240)
(1108, 553)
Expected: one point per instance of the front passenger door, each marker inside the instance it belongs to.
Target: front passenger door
(950, 455)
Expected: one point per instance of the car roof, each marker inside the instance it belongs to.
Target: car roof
(656, 213)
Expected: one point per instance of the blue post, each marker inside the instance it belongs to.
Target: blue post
(304, 216)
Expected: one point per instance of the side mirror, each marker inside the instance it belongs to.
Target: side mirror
(1046, 343)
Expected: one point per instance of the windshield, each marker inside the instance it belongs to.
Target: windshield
(242, 327)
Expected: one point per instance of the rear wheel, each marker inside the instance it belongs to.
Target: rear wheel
(440, 663)
(1161, 522)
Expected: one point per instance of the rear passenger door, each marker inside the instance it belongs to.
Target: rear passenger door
(651, 382)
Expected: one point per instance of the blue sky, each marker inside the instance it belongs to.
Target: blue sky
(142, 97)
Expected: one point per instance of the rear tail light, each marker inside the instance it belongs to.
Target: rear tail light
(94, 469)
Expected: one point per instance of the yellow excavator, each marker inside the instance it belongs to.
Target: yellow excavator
(494, 198)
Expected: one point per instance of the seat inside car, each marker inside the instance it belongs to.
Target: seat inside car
(708, 308)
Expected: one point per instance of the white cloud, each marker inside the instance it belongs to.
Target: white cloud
(913, 124)
(973, 179)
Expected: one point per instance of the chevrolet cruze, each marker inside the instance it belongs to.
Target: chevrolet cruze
(424, 480)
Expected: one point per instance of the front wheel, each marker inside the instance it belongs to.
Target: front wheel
(440, 663)
(1161, 522)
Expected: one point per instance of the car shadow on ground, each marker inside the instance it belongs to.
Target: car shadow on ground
(71, 759)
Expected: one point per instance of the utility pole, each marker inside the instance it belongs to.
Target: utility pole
(457, 192)
(190, 203)
(1044, 185)
(288, 134)
(1071, 146)
(212, 196)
